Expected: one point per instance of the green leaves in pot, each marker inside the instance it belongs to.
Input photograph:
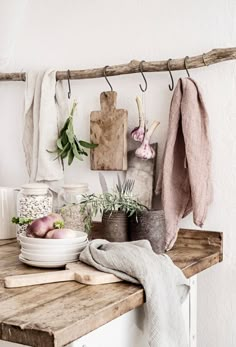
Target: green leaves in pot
(68, 145)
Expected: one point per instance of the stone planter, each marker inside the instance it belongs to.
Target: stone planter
(149, 225)
(115, 226)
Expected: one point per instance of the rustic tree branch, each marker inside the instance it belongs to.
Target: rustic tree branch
(205, 59)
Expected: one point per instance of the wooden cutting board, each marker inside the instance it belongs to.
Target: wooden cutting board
(78, 271)
(108, 129)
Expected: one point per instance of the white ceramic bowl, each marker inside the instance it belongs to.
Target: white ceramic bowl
(50, 257)
(52, 248)
(43, 264)
(81, 237)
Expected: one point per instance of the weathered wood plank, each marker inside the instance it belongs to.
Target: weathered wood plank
(56, 314)
(14, 303)
(31, 337)
(5, 242)
(195, 260)
(86, 309)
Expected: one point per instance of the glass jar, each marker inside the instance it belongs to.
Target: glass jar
(34, 201)
(69, 199)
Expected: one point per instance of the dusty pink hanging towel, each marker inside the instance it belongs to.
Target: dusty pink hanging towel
(185, 178)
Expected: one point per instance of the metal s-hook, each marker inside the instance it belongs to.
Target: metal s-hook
(171, 87)
(105, 76)
(185, 65)
(69, 92)
(141, 71)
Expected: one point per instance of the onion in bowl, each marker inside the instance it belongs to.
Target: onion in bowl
(61, 234)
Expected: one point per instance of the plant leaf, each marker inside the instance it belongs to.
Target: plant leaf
(86, 144)
(65, 150)
(59, 143)
(56, 150)
(64, 154)
(70, 132)
(77, 144)
(64, 139)
(21, 220)
(76, 153)
(64, 126)
(70, 156)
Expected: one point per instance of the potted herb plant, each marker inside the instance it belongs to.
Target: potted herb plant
(115, 208)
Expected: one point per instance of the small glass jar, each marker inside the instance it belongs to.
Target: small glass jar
(34, 201)
(69, 199)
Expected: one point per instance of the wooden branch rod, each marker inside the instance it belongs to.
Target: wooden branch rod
(217, 55)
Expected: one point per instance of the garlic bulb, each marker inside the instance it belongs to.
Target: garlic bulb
(139, 132)
(145, 151)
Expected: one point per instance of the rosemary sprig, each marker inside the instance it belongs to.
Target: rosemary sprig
(120, 199)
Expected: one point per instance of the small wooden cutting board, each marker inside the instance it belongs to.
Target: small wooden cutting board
(108, 129)
(78, 271)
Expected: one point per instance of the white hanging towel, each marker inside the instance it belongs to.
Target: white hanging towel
(46, 110)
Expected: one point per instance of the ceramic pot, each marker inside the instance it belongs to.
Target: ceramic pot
(149, 225)
(115, 226)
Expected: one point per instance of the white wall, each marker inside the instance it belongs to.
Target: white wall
(83, 34)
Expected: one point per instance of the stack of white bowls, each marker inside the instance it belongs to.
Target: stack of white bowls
(51, 253)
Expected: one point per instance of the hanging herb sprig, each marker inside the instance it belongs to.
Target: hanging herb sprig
(68, 145)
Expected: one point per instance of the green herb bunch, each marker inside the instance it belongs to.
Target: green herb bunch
(68, 145)
(120, 200)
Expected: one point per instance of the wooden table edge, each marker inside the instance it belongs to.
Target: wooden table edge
(67, 335)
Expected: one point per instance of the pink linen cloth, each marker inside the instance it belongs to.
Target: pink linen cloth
(185, 177)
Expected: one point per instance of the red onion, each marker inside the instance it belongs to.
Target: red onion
(61, 234)
(39, 227)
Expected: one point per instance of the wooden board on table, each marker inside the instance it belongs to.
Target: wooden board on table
(77, 271)
(56, 314)
(108, 129)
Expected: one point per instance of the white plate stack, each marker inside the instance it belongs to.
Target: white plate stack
(51, 253)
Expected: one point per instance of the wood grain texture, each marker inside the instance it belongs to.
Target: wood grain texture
(108, 129)
(142, 172)
(78, 271)
(54, 315)
(214, 56)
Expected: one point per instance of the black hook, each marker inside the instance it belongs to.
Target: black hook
(69, 92)
(105, 76)
(185, 65)
(141, 70)
(171, 87)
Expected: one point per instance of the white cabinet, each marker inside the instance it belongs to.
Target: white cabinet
(129, 331)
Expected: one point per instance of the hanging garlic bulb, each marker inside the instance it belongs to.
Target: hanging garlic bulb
(145, 151)
(139, 132)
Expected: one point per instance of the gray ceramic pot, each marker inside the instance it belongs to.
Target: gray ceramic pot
(115, 226)
(149, 225)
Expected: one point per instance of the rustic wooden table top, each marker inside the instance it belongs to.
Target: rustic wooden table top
(57, 314)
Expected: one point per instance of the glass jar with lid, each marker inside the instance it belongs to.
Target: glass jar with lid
(34, 201)
(69, 199)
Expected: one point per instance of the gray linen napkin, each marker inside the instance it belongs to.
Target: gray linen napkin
(164, 283)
